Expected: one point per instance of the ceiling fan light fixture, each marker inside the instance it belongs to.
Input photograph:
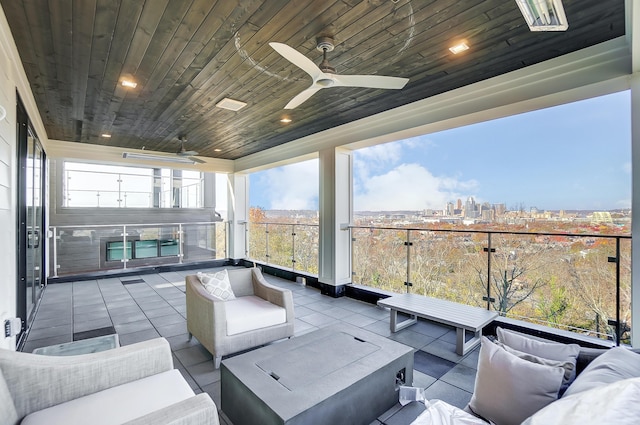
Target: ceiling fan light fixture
(544, 15)
(153, 157)
(106, 135)
(231, 104)
(459, 48)
(285, 120)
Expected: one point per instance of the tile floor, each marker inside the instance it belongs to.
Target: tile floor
(152, 305)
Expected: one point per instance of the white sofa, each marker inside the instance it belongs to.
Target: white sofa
(135, 384)
(259, 314)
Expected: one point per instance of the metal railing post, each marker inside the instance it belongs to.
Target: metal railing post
(124, 246)
(266, 238)
(618, 324)
(180, 244)
(55, 252)
(293, 247)
(408, 244)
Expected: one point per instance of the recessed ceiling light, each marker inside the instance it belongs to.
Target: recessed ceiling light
(459, 48)
(217, 150)
(285, 120)
(129, 83)
(230, 104)
(105, 135)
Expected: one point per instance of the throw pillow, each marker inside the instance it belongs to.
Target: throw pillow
(217, 284)
(548, 350)
(616, 364)
(567, 365)
(509, 389)
(615, 403)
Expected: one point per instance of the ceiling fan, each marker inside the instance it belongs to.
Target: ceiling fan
(183, 152)
(325, 76)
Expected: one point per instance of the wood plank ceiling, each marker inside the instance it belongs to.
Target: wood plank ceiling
(186, 55)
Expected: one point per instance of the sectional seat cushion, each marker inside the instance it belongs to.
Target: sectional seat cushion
(615, 403)
(251, 312)
(616, 364)
(119, 404)
(509, 389)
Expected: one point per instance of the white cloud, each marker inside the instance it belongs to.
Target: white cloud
(410, 187)
(293, 187)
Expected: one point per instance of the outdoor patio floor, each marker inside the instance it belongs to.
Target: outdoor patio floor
(153, 305)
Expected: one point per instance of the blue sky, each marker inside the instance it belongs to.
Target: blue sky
(575, 156)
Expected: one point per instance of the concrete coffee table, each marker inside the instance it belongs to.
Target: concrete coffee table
(336, 375)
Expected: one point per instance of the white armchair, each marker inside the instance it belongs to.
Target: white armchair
(135, 384)
(261, 313)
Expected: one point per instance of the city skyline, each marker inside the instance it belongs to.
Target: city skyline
(581, 161)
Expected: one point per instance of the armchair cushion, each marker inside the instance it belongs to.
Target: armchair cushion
(119, 404)
(250, 313)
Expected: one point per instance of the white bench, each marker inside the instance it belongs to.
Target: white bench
(462, 317)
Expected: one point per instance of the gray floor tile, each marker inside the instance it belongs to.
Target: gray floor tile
(462, 377)
(91, 324)
(448, 393)
(139, 325)
(119, 311)
(422, 380)
(167, 320)
(51, 322)
(443, 349)
(301, 311)
(471, 359)
(193, 355)
(121, 319)
(95, 308)
(214, 392)
(178, 342)
(133, 337)
(172, 330)
(431, 329)
(159, 312)
(359, 320)
(204, 373)
(319, 319)
(381, 327)
(95, 315)
(65, 330)
(411, 338)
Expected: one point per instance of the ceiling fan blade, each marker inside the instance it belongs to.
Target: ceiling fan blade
(187, 153)
(297, 58)
(302, 97)
(198, 160)
(370, 81)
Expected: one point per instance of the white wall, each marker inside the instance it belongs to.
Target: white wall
(12, 78)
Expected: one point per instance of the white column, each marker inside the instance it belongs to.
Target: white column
(238, 213)
(336, 210)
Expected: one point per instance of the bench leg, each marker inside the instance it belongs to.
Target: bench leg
(462, 346)
(395, 326)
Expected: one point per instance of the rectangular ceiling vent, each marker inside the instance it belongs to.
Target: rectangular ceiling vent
(230, 104)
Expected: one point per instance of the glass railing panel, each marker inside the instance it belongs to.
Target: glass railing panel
(625, 291)
(449, 265)
(154, 245)
(380, 258)
(257, 238)
(559, 281)
(280, 247)
(85, 249)
(306, 247)
(200, 242)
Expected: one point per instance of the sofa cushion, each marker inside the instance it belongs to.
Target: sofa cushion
(217, 285)
(7, 408)
(616, 364)
(251, 312)
(615, 403)
(241, 281)
(509, 389)
(119, 404)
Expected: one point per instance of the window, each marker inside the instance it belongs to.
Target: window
(107, 186)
